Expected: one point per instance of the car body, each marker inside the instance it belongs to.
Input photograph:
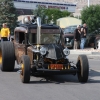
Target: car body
(93, 39)
(97, 42)
(96, 39)
(69, 35)
(40, 50)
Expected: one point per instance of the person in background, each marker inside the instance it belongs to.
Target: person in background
(5, 32)
(83, 36)
(77, 33)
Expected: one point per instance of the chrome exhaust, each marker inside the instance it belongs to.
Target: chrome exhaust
(38, 30)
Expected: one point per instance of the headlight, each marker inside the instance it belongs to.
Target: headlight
(67, 39)
(66, 51)
(43, 51)
(27, 19)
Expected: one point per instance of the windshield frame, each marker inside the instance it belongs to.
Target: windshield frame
(47, 38)
(46, 33)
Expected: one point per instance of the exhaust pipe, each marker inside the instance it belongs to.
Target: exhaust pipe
(38, 30)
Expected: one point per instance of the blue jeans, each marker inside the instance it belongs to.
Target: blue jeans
(82, 44)
(4, 39)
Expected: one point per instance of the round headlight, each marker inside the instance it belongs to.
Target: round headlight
(27, 19)
(66, 51)
(43, 51)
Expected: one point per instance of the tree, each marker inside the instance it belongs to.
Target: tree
(53, 14)
(8, 14)
(39, 11)
(90, 16)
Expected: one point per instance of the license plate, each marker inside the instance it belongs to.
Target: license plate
(56, 66)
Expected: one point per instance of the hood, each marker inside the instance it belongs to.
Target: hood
(55, 51)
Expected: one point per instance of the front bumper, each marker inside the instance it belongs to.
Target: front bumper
(67, 69)
(56, 72)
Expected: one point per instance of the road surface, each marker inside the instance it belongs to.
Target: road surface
(60, 87)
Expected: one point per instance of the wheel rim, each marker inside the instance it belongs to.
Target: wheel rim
(22, 69)
(0, 57)
(22, 72)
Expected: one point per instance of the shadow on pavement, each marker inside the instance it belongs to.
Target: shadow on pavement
(94, 76)
(57, 79)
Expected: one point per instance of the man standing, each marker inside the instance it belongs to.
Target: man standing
(83, 35)
(77, 37)
(5, 32)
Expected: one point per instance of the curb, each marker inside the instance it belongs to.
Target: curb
(84, 52)
(95, 53)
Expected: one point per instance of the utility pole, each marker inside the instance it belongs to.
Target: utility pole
(88, 3)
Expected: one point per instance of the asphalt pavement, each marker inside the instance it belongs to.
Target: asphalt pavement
(58, 87)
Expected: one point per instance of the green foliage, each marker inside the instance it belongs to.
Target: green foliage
(8, 14)
(56, 14)
(90, 16)
(78, 17)
(51, 13)
(40, 11)
(71, 15)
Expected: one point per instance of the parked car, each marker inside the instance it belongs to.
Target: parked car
(93, 39)
(96, 38)
(39, 49)
(69, 35)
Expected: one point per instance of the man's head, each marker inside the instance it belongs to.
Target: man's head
(84, 25)
(4, 25)
(78, 26)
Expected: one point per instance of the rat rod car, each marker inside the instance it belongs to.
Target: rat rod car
(39, 49)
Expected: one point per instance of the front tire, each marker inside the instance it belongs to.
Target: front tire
(83, 68)
(25, 69)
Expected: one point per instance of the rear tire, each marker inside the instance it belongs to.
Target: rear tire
(7, 56)
(25, 69)
(83, 68)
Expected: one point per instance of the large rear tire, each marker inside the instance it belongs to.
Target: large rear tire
(7, 56)
(83, 68)
(25, 69)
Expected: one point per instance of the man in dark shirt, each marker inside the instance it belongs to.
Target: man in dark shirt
(83, 35)
(77, 37)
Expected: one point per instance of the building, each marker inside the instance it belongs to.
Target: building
(68, 21)
(26, 7)
(80, 4)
